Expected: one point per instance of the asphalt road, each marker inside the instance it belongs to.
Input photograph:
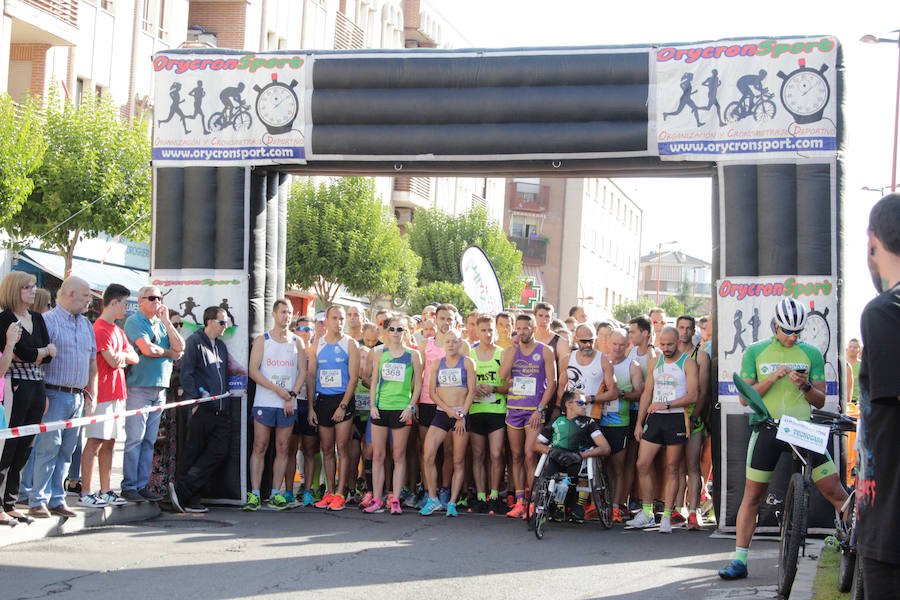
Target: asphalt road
(307, 553)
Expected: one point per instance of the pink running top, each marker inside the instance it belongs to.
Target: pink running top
(432, 353)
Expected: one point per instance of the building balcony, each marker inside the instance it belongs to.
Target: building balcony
(538, 201)
(534, 250)
(50, 22)
(411, 192)
(347, 34)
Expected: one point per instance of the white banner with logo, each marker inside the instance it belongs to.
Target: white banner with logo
(229, 108)
(768, 98)
(746, 313)
(191, 291)
(480, 281)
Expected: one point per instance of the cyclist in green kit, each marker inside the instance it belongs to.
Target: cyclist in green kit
(790, 377)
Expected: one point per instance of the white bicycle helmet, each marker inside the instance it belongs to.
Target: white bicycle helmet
(790, 314)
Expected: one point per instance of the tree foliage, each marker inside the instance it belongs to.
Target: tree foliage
(341, 234)
(673, 307)
(628, 310)
(439, 292)
(440, 240)
(690, 304)
(95, 177)
(22, 146)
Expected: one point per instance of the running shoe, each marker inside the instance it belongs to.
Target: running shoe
(735, 570)
(692, 523)
(325, 501)
(665, 524)
(113, 499)
(308, 499)
(195, 507)
(590, 513)
(374, 506)
(337, 503)
(463, 501)
(278, 502)
(432, 505)
(479, 506)
(496, 506)
(451, 509)
(677, 517)
(634, 506)
(617, 516)
(575, 514)
(252, 502)
(641, 521)
(444, 497)
(405, 495)
(289, 498)
(366, 501)
(395, 507)
(518, 510)
(92, 500)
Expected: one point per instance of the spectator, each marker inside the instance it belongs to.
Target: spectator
(25, 377)
(113, 353)
(12, 336)
(204, 368)
(577, 313)
(171, 422)
(159, 344)
(72, 371)
(41, 302)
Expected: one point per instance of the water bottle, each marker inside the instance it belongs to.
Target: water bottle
(562, 488)
(203, 393)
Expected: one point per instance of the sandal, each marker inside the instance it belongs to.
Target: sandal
(20, 517)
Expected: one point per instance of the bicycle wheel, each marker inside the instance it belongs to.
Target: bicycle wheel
(242, 121)
(541, 502)
(848, 551)
(793, 533)
(733, 112)
(764, 111)
(215, 122)
(600, 494)
(856, 590)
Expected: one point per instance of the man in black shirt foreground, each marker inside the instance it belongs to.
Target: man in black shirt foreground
(878, 487)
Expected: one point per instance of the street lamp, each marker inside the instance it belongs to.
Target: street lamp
(872, 39)
(659, 264)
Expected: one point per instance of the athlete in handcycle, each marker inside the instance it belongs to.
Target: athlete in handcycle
(571, 447)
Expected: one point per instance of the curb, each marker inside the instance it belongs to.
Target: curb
(806, 570)
(85, 518)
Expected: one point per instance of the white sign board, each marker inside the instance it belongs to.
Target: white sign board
(803, 434)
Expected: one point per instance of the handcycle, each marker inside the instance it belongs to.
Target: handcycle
(761, 108)
(793, 515)
(543, 497)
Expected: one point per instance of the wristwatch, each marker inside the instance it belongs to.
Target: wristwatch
(805, 387)
(292, 394)
(343, 407)
(668, 404)
(412, 408)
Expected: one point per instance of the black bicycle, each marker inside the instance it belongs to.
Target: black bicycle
(849, 571)
(543, 504)
(761, 108)
(239, 119)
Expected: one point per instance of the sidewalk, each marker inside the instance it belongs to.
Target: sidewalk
(87, 517)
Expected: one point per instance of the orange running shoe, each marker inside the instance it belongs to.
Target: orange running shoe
(325, 501)
(617, 515)
(590, 513)
(518, 510)
(366, 501)
(692, 522)
(337, 503)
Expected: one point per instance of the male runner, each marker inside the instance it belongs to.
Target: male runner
(697, 415)
(355, 320)
(278, 366)
(790, 377)
(616, 421)
(472, 328)
(671, 387)
(333, 371)
(639, 334)
(504, 329)
(603, 330)
(658, 320)
(359, 441)
(577, 313)
(853, 370)
(543, 333)
(304, 435)
(487, 419)
(530, 369)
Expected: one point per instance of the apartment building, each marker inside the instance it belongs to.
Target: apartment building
(663, 274)
(580, 241)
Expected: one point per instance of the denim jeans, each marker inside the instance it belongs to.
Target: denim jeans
(53, 450)
(140, 435)
(26, 481)
(75, 467)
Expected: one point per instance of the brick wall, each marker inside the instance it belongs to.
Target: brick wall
(36, 54)
(228, 20)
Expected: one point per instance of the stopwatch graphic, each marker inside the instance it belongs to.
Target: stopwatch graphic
(277, 105)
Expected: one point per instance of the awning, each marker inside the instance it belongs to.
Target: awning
(98, 275)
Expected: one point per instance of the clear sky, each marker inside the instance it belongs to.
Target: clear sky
(870, 87)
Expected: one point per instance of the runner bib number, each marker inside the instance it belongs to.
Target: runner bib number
(393, 371)
(362, 402)
(450, 377)
(488, 399)
(280, 380)
(524, 386)
(330, 378)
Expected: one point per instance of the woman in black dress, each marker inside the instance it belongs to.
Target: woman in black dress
(26, 377)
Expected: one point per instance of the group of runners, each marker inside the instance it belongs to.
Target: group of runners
(451, 414)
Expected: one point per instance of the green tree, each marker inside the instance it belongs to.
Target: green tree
(95, 177)
(22, 146)
(440, 292)
(690, 303)
(341, 234)
(673, 307)
(440, 240)
(628, 310)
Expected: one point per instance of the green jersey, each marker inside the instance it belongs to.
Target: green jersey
(395, 375)
(570, 434)
(488, 373)
(783, 398)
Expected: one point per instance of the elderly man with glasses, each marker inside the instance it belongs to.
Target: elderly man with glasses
(159, 344)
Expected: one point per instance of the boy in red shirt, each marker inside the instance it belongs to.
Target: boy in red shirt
(113, 353)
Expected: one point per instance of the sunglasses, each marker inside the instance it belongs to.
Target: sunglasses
(586, 341)
(178, 325)
(791, 331)
(153, 298)
(659, 322)
(582, 402)
(396, 329)
(222, 323)
(304, 328)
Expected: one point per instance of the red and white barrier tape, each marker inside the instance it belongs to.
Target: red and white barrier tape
(24, 430)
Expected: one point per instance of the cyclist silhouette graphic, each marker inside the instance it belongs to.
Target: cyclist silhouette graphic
(198, 93)
(231, 97)
(687, 90)
(713, 83)
(189, 305)
(175, 107)
(738, 330)
(746, 86)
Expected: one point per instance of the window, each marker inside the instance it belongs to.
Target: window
(525, 227)
(147, 16)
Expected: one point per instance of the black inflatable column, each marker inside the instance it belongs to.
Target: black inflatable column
(199, 246)
(230, 218)
(271, 243)
(167, 232)
(283, 193)
(776, 219)
(257, 253)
